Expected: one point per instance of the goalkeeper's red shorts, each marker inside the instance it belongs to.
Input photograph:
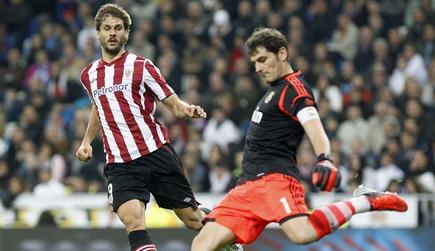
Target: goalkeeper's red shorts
(248, 208)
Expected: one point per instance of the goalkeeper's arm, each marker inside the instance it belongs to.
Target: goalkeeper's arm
(325, 175)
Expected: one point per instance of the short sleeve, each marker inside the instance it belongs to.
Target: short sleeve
(154, 80)
(86, 84)
(295, 96)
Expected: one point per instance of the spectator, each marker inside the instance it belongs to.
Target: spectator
(364, 55)
(394, 186)
(411, 186)
(87, 36)
(245, 22)
(344, 38)
(416, 28)
(195, 171)
(408, 142)
(18, 22)
(360, 171)
(397, 80)
(419, 169)
(3, 142)
(354, 128)
(141, 45)
(324, 88)
(428, 93)
(247, 95)
(220, 178)
(12, 73)
(220, 130)
(393, 12)
(15, 188)
(395, 41)
(47, 219)
(426, 45)
(5, 174)
(376, 22)
(415, 66)
(414, 109)
(319, 21)
(377, 123)
(357, 93)
(382, 55)
(386, 172)
(48, 186)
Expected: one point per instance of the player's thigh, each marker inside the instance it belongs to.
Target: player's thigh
(299, 230)
(215, 235)
(127, 181)
(170, 188)
(132, 214)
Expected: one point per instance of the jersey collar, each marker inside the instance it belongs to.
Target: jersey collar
(116, 60)
(279, 81)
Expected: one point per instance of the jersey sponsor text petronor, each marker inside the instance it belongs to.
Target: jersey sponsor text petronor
(109, 89)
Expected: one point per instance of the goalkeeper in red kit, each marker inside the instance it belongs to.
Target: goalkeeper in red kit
(269, 188)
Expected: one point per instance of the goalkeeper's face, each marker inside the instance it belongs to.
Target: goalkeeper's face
(112, 35)
(270, 66)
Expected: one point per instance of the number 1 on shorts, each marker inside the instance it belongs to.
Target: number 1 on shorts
(284, 203)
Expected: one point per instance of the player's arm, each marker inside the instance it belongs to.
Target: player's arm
(182, 109)
(310, 120)
(84, 153)
(325, 175)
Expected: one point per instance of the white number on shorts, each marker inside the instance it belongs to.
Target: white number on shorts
(284, 203)
(110, 190)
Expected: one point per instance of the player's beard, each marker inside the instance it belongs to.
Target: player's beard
(114, 50)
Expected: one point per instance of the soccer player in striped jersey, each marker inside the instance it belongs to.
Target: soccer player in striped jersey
(269, 188)
(124, 89)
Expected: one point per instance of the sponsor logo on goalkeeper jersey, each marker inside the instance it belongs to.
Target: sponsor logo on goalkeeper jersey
(257, 116)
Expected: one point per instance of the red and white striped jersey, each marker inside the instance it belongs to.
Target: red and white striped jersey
(125, 92)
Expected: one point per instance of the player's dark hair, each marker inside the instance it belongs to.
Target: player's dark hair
(270, 38)
(114, 10)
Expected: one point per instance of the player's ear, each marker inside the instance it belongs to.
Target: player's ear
(283, 54)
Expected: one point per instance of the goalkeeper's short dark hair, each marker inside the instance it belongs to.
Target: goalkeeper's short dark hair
(271, 39)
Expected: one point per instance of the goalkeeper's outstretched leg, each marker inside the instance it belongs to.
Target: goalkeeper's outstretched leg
(302, 229)
(327, 219)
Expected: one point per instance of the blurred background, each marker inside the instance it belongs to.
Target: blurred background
(371, 64)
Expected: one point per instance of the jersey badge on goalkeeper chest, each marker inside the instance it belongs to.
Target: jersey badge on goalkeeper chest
(269, 97)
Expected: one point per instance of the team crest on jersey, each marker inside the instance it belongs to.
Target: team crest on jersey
(269, 97)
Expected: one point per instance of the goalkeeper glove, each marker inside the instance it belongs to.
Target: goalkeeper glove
(325, 175)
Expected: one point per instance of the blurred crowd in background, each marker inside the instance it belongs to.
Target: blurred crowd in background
(371, 65)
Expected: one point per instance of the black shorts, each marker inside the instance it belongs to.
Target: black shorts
(159, 173)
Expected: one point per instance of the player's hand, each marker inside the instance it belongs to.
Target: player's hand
(195, 112)
(326, 176)
(84, 153)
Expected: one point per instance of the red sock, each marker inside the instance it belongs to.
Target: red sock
(327, 219)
